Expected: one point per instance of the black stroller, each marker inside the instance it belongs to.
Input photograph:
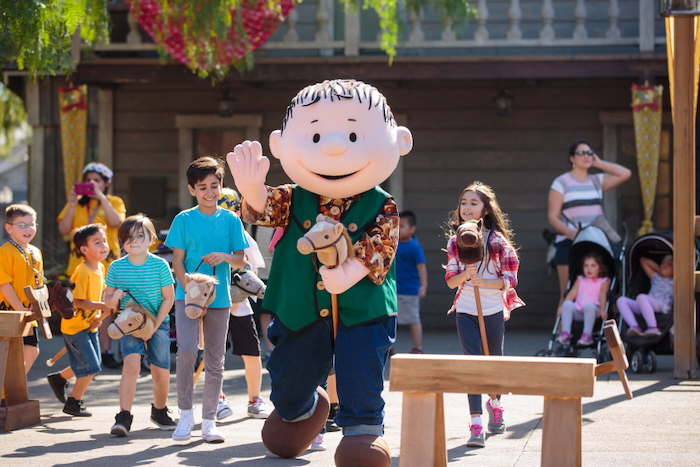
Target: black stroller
(590, 239)
(642, 351)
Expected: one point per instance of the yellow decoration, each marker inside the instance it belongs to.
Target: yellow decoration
(73, 102)
(646, 106)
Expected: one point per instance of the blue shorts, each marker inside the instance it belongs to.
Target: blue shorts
(561, 256)
(158, 350)
(83, 349)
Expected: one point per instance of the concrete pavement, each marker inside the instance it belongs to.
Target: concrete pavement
(658, 427)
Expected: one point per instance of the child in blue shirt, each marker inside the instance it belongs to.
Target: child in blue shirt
(411, 278)
(212, 239)
(145, 279)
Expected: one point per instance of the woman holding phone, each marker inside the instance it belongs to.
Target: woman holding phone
(89, 203)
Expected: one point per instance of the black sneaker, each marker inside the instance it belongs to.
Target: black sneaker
(109, 361)
(331, 426)
(123, 423)
(59, 386)
(75, 408)
(161, 418)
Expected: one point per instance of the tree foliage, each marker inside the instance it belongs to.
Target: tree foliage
(37, 34)
(12, 117)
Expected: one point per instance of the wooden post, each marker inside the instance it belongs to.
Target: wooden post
(683, 109)
(423, 430)
(561, 432)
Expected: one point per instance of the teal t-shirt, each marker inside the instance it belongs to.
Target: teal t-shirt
(143, 282)
(199, 234)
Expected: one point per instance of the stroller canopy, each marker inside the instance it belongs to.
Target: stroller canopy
(591, 239)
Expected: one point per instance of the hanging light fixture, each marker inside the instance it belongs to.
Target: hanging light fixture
(679, 7)
(225, 103)
(503, 102)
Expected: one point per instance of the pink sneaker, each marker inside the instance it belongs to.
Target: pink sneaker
(652, 333)
(585, 340)
(634, 331)
(563, 339)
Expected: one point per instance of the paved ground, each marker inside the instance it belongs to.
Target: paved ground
(659, 427)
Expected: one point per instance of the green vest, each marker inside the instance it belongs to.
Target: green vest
(295, 293)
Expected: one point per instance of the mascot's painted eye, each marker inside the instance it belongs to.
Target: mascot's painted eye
(317, 137)
(353, 137)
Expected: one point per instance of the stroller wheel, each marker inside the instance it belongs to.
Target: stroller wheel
(637, 362)
(550, 353)
(650, 362)
(540, 353)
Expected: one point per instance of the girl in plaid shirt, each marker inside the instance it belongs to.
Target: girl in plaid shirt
(496, 276)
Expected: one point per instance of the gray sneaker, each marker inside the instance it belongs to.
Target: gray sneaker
(477, 439)
(496, 423)
(258, 409)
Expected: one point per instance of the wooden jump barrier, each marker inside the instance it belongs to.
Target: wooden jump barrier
(562, 381)
(16, 410)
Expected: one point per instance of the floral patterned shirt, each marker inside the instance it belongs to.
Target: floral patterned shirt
(375, 249)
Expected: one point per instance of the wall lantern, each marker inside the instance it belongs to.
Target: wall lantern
(679, 7)
(503, 102)
(225, 103)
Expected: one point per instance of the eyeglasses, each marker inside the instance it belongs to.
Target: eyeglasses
(590, 152)
(24, 226)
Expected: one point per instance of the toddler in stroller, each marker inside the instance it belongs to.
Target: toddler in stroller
(658, 300)
(586, 300)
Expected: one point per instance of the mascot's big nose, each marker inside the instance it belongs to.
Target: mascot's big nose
(334, 145)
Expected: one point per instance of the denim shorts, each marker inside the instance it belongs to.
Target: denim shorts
(83, 349)
(158, 350)
(561, 256)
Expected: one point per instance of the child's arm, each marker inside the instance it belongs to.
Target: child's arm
(9, 293)
(423, 276)
(235, 259)
(179, 265)
(112, 296)
(571, 296)
(649, 266)
(604, 289)
(168, 294)
(477, 279)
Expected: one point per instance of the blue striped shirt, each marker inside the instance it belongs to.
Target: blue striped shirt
(144, 282)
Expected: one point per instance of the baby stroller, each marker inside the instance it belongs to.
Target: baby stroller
(590, 239)
(642, 351)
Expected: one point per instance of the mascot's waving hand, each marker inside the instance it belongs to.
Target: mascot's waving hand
(338, 141)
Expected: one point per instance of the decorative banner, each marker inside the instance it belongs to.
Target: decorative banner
(259, 22)
(646, 108)
(73, 103)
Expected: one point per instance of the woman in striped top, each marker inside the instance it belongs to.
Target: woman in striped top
(576, 200)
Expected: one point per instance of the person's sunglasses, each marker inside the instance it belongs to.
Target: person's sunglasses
(590, 152)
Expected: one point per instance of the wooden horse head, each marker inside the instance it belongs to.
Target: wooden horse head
(61, 298)
(134, 320)
(470, 242)
(329, 239)
(244, 284)
(200, 291)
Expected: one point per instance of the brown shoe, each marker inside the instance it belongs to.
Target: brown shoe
(290, 439)
(363, 451)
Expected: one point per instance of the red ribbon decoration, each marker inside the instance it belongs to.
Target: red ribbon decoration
(77, 98)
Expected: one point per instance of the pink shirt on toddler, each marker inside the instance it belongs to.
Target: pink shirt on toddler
(589, 291)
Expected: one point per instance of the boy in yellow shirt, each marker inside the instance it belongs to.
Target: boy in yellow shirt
(80, 332)
(21, 265)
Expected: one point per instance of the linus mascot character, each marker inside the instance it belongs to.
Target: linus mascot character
(337, 143)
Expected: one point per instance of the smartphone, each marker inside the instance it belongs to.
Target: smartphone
(84, 189)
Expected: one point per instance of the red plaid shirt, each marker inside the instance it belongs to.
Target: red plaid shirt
(375, 249)
(505, 260)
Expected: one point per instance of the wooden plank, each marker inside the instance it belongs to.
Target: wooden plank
(562, 377)
(15, 383)
(684, 103)
(11, 323)
(421, 443)
(561, 432)
(19, 416)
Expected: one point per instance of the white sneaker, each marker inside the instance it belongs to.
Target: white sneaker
(210, 433)
(318, 444)
(223, 410)
(258, 409)
(183, 432)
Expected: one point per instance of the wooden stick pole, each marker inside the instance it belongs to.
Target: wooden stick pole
(51, 361)
(200, 346)
(482, 326)
(334, 314)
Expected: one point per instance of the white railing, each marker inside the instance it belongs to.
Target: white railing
(499, 24)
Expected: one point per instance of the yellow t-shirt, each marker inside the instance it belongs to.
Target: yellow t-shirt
(82, 218)
(14, 269)
(88, 286)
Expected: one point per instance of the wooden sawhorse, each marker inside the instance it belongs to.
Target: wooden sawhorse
(562, 381)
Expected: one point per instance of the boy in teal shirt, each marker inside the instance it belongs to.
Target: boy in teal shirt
(209, 240)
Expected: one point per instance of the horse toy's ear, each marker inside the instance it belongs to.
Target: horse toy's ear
(320, 217)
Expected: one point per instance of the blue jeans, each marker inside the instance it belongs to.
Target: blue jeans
(83, 349)
(158, 350)
(301, 362)
(470, 338)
